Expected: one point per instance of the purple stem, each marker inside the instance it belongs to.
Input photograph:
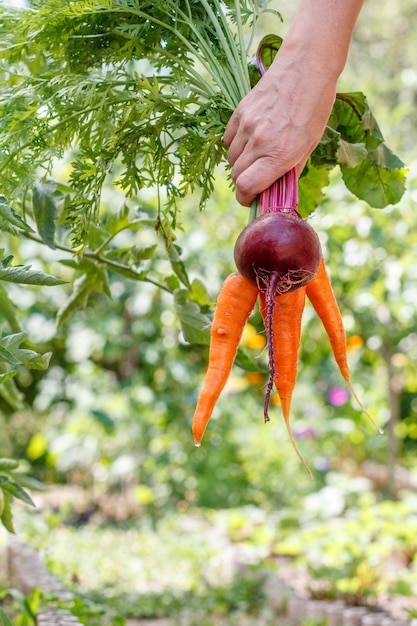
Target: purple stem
(281, 196)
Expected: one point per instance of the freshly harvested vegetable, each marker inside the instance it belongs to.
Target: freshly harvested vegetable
(235, 303)
(279, 257)
(321, 295)
(279, 254)
(278, 247)
(282, 315)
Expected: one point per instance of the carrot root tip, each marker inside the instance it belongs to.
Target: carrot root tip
(370, 418)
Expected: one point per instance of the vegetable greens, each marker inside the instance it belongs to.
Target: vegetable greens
(140, 93)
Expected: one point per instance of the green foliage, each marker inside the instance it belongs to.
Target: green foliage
(140, 95)
(4, 618)
(13, 484)
(116, 109)
(23, 607)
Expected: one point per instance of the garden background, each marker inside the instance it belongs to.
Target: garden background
(129, 514)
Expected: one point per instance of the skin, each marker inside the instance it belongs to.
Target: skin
(280, 122)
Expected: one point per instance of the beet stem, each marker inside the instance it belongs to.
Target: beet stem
(272, 285)
(281, 196)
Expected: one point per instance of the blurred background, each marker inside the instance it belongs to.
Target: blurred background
(107, 427)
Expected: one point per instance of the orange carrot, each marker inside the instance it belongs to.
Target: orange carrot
(282, 319)
(321, 295)
(234, 305)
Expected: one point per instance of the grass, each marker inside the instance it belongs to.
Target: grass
(186, 569)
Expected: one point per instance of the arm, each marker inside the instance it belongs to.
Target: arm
(280, 122)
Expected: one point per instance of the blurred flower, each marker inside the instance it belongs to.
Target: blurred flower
(337, 396)
(354, 342)
(255, 378)
(256, 342)
(306, 433)
(322, 464)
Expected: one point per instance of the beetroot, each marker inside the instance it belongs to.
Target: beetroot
(280, 245)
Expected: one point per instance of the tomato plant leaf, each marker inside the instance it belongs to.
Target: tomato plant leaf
(7, 516)
(13, 354)
(195, 325)
(174, 254)
(15, 490)
(7, 375)
(8, 464)
(23, 274)
(77, 300)
(10, 221)
(199, 294)
(245, 362)
(44, 199)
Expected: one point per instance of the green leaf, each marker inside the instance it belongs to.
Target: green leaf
(8, 464)
(130, 273)
(177, 265)
(15, 490)
(347, 117)
(310, 189)
(7, 375)
(194, 324)
(142, 253)
(5, 620)
(350, 154)
(7, 516)
(7, 308)
(13, 354)
(245, 362)
(104, 420)
(10, 221)
(10, 393)
(44, 199)
(377, 185)
(77, 300)
(199, 294)
(24, 275)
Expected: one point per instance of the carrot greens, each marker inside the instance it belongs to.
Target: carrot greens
(137, 94)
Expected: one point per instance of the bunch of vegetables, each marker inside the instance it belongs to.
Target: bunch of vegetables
(139, 93)
(279, 259)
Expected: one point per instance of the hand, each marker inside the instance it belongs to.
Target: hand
(277, 126)
(280, 122)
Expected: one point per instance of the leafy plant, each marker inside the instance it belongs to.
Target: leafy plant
(134, 97)
(13, 484)
(142, 93)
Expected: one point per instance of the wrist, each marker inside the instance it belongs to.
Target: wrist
(320, 35)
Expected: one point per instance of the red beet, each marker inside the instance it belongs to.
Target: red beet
(280, 245)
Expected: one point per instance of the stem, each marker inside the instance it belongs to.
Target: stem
(229, 45)
(105, 261)
(281, 196)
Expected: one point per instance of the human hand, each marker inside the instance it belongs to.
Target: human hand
(280, 122)
(277, 125)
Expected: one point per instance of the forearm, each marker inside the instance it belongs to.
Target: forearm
(280, 122)
(322, 31)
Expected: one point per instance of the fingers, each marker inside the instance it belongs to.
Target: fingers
(261, 175)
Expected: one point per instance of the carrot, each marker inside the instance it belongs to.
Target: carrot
(321, 295)
(235, 303)
(282, 315)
